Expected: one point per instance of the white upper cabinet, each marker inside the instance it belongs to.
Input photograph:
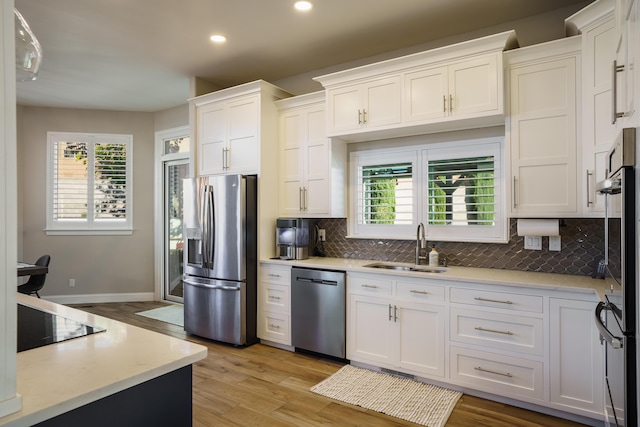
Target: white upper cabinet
(463, 89)
(596, 25)
(369, 105)
(312, 166)
(234, 127)
(542, 128)
(449, 88)
(627, 54)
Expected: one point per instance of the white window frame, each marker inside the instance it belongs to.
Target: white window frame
(467, 233)
(419, 155)
(377, 157)
(89, 226)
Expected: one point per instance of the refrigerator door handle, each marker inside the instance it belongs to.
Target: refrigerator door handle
(204, 285)
(615, 342)
(207, 223)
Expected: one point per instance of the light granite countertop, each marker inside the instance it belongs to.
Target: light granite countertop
(551, 281)
(57, 378)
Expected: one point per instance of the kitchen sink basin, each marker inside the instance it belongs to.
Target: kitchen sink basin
(404, 267)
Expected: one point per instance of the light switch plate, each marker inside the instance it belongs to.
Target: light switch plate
(533, 242)
(555, 244)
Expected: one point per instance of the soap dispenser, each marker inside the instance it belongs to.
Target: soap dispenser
(434, 257)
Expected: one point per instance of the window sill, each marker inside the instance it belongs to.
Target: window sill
(92, 232)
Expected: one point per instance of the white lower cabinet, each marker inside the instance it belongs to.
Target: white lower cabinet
(528, 344)
(576, 356)
(394, 332)
(274, 303)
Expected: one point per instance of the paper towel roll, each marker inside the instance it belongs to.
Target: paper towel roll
(538, 227)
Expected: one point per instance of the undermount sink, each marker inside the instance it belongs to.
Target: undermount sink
(404, 267)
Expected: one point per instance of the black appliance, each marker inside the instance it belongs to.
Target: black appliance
(616, 317)
(37, 328)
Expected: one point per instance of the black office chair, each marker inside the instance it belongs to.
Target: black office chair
(36, 282)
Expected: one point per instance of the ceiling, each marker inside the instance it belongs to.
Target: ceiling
(139, 55)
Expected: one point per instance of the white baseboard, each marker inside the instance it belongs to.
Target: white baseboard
(97, 298)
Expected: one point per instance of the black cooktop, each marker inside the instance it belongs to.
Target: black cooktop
(37, 328)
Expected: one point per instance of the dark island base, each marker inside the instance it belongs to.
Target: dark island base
(162, 401)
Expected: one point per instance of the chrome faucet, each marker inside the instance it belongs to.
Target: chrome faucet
(421, 243)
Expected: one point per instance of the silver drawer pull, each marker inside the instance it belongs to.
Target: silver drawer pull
(274, 326)
(504, 374)
(480, 328)
(274, 275)
(369, 286)
(273, 297)
(493, 300)
(413, 291)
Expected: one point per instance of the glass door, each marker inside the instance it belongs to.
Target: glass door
(174, 172)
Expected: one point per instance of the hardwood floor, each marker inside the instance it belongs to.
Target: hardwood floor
(265, 386)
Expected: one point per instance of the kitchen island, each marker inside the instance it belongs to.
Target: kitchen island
(123, 376)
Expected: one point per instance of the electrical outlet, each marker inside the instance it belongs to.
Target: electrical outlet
(555, 244)
(72, 283)
(321, 235)
(533, 242)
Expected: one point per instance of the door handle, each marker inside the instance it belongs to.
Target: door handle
(614, 93)
(589, 202)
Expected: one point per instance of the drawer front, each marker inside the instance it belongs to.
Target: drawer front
(420, 291)
(495, 373)
(500, 331)
(279, 275)
(276, 327)
(494, 299)
(369, 286)
(276, 297)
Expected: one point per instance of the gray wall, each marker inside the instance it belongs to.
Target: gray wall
(100, 264)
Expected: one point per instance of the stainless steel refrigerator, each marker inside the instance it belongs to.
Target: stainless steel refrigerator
(220, 258)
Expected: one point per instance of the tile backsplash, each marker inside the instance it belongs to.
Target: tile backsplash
(582, 248)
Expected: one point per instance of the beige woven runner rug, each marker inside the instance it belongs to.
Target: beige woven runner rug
(399, 397)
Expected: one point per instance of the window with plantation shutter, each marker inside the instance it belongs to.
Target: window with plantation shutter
(386, 193)
(454, 188)
(89, 183)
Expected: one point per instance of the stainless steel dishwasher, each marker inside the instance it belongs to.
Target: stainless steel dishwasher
(318, 311)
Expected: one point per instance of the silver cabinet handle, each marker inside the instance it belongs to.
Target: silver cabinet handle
(274, 297)
(359, 117)
(395, 313)
(515, 192)
(495, 331)
(414, 291)
(589, 202)
(274, 326)
(493, 300)
(273, 275)
(300, 198)
(450, 103)
(504, 374)
(390, 313)
(369, 286)
(614, 107)
(444, 104)
(305, 199)
(364, 117)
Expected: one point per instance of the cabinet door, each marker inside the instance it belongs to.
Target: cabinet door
(212, 134)
(291, 167)
(598, 131)
(316, 164)
(243, 140)
(382, 102)
(543, 139)
(369, 330)
(425, 95)
(576, 356)
(473, 86)
(344, 112)
(421, 337)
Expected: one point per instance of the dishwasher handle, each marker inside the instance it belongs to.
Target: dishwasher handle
(318, 281)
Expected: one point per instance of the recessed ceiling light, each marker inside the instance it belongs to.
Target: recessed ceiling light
(217, 38)
(303, 5)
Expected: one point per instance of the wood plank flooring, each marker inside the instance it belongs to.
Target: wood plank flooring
(265, 386)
